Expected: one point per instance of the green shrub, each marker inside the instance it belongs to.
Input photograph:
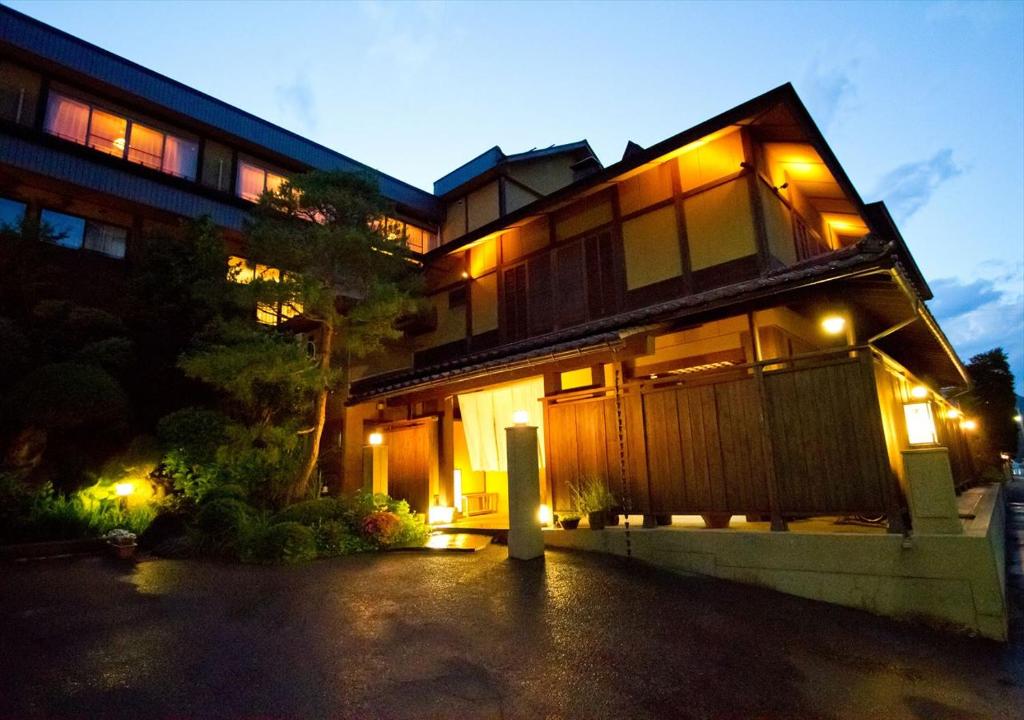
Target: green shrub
(287, 542)
(227, 490)
(220, 523)
(334, 537)
(68, 395)
(193, 433)
(310, 512)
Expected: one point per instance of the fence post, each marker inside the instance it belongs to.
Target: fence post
(774, 499)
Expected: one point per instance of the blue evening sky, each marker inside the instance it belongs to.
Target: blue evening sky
(923, 103)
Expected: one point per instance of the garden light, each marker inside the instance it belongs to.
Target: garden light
(834, 324)
(544, 515)
(124, 489)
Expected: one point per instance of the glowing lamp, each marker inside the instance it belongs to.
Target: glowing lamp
(969, 425)
(952, 414)
(465, 275)
(834, 324)
(920, 424)
(544, 515)
(119, 143)
(440, 514)
(376, 439)
(919, 391)
(520, 417)
(1018, 418)
(124, 489)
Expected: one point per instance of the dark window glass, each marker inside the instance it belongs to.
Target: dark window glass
(515, 293)
(64, 230)
(106, 239)
(457, 297)
(571, 284)
(12, 213)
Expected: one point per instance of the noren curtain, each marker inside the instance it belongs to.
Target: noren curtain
(487, 413)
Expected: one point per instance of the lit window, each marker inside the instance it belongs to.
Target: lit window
(107, 132)
(112, 134)
(242, 271)
(78, 233)
(253, 180)
(146, 146)
(67, 119)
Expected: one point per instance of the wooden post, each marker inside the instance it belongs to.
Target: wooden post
(891, 489)
(774, 500)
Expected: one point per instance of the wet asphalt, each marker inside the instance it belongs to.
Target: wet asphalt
(419, 635)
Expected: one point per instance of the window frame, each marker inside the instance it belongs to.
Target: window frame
(86, 223)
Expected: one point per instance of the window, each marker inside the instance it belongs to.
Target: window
(253, 180)
(19, 92)
(12, 213)
(121, 137)
(217, 162)
(77, 233)
(242, 271)
(417, 239)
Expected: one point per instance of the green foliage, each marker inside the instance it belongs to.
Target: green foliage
(287, 542)
(266, 375)
(993, 401)
(310, 512)
(16, 355)
(334, 537)
(229, 490)
(68, 395)
(115, 354)
(194, 433)
(591, 495)
(220, 523)
(63, 328)
(261, 459)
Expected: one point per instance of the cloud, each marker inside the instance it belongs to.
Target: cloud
(909, 187)
(297, 100)
(982, 314)
(829, 91)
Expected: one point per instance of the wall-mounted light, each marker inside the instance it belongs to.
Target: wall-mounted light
(465, 275)
(520, 417)
(952, 413)
(919, 391)
(1018, 418)
(375, 439)
(969, 425)
(833, 324)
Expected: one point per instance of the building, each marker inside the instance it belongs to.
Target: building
(716, 326)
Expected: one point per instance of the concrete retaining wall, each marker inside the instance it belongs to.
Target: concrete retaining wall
(955, 581)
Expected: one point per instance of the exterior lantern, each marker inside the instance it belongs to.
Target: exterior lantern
(919, 392)
(969, 425)
(833, 324)
(375, 439)
(920, 423)
(520, 417)
(545, 515)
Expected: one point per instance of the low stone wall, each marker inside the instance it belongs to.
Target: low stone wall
(952, 580)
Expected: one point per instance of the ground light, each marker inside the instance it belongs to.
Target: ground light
(833, 324)
(440, 514)
(124, 489)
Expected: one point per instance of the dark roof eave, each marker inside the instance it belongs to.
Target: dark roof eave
(851, 261)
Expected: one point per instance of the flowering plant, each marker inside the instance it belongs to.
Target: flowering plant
(382, 527)
(120, 536)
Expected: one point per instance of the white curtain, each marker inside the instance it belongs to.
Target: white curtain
(487, 413)
(180, 157)
(67, 119)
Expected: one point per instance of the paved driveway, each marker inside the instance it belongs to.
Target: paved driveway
(466, 636)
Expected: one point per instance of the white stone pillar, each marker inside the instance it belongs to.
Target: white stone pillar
(930, 492)
(375, 468)
(525, 538)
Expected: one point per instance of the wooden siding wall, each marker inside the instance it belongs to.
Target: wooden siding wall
(806, 439)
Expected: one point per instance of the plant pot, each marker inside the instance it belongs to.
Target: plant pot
(716, 521)
(124, 552)
(570, 523)
(596, 520)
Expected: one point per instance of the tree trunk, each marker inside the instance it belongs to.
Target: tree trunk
(301, 486)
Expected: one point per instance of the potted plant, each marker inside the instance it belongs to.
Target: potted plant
(569, 521)
(122, 542)
(591, 496)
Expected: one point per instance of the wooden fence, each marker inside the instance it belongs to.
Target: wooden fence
(793, 437)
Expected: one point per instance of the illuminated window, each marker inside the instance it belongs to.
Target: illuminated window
(417, 239)
(77, 233)
(115, 135)
(243, 272)
(253, 180)
(107, 132)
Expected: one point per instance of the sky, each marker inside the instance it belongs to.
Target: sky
(923, 103)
